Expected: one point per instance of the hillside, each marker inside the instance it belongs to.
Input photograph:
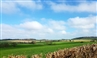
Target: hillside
(89, 38)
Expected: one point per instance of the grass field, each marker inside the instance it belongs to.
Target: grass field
(31, 49)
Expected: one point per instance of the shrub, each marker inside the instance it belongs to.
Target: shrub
(4, 44)
(14, 44)
(92, 41)
(81, 42)
(48, 42)
(7, 44)
(33, 42)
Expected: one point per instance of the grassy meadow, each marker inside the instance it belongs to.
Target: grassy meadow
(39, 47)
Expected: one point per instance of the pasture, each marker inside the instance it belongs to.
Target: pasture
(39, 47)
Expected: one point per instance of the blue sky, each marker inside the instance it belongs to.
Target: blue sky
(48, 19)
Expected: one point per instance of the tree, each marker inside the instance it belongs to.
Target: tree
(14, 44)
(33, 42)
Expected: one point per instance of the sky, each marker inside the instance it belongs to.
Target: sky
(47, 19)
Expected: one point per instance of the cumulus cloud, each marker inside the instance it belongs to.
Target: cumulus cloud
(32, 25)
(85, 26)
(52, 29)
(9, 7)
(12, 6)
(31, 5)
(9, 31)
(82, 7)
(14, 32)
(34, 29)
(50, 26)
(83, 23)
(63, 32)
(58, 25)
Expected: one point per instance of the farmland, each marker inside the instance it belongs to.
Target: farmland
(40, 47)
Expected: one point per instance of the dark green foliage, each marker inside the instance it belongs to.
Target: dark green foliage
(59, 40)
(48, 42)
(81, 42)
(7, 44)
(92, 38)
(70, 40)
(33, 42)
(4, 44)
(14, 44)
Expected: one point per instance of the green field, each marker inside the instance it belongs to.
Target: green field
(31, 49)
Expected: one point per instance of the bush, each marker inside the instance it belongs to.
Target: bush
(48, 42)
(14, 44)
(4, 44)
(7, 44)
(81, 42)
(33, 42)
(92, 41)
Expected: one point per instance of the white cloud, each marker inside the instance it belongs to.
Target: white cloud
(52, 29)
(33, 29)
(9, 31)
(63, 32)
(71, 0)
(85, 26)
(32, 25)
(12, 6)
(82, 7)
(58, 25)
(86, 32)
(31, 5)
(49, 30)
(14, 32)
(9, 7)
(83, 23)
